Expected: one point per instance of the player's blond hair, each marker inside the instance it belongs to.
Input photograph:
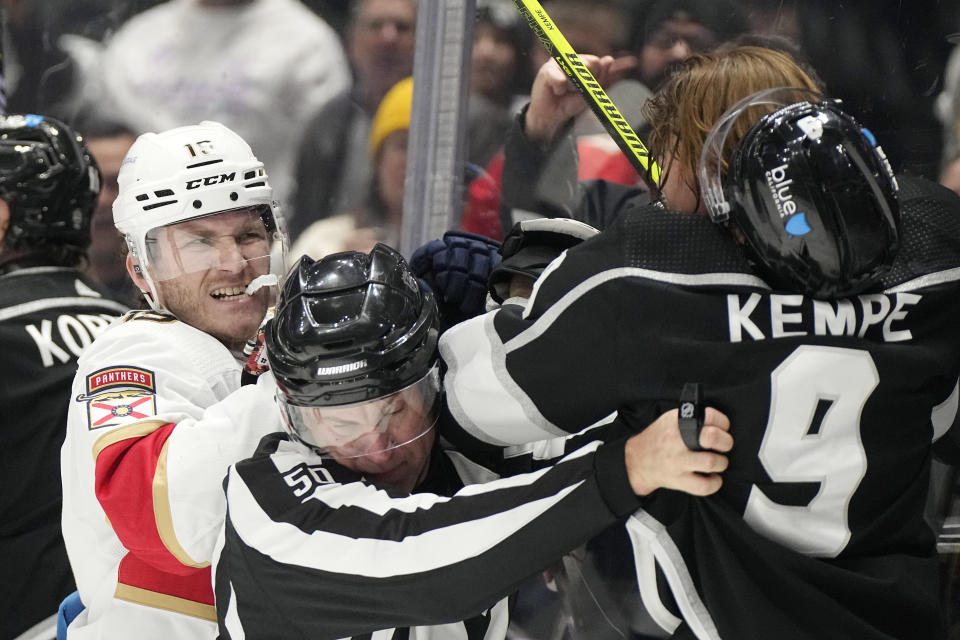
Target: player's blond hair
(703, 87)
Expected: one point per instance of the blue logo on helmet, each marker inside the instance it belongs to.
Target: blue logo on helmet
(797, 225)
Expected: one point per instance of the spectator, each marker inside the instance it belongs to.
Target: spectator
(501, 38)
(673, 30)
(948, 112)
(498, 76)
(591, 27)
(49, 312)
(157, 408)
(109, 143)
(378, 220)
(39, 75)
(263, 67)
(820, 299)
(333, 166)
(324, 515)
(885, 63)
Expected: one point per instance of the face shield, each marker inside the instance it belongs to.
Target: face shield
(717, 149)
(231, 240)
(367, 428)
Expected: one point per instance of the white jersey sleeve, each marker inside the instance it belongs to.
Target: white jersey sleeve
(156, 416)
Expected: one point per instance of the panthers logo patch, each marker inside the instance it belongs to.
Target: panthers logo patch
(119, 394)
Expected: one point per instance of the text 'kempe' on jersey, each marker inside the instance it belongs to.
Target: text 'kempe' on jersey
(761, 316)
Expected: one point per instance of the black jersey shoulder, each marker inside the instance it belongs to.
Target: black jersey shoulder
(930, 231)
(657, 239)
(27, 294)
(37, 283)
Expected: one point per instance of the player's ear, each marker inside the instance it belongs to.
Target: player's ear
(135, 275)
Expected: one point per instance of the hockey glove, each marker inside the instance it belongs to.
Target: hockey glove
(256, 354)
(456, 268)
(530, 246)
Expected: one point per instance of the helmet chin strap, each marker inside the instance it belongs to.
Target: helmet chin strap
(153, 298)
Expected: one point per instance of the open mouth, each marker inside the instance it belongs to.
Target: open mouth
(228, 293)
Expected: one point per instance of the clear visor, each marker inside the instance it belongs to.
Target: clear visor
(228, 241)
(367, 428)
(739, 118)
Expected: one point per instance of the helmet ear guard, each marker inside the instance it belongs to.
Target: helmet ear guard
(810, 191)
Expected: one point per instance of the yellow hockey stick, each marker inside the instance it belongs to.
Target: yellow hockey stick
(601, 104)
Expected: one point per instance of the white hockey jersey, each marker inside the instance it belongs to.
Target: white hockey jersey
(157, 415)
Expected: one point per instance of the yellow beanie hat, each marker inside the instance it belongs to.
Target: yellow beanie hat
(393, 114)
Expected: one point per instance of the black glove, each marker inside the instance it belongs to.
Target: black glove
(530, 246)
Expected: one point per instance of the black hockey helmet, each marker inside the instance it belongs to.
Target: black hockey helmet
(810, 190)
(349, 329)
(49, 179)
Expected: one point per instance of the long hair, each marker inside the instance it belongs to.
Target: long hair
(683, 111)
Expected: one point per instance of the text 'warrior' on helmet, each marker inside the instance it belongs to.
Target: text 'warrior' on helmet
(184, 174)
(812, 193)
(351, 327)
(49, 179)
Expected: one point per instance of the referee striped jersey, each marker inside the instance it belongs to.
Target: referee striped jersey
(310, 550)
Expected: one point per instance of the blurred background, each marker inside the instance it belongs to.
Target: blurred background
(321, 89)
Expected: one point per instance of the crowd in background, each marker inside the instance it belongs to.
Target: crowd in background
(303, 81)
(323, 90)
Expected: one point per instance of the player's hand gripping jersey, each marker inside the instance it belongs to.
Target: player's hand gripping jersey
(836, 406)
(157, 415)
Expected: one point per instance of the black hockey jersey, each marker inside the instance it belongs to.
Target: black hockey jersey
(48, 315)
(818, 531)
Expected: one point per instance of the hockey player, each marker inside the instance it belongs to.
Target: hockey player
(817, 315)
(323, 537)
(155, 416)
(49, 312)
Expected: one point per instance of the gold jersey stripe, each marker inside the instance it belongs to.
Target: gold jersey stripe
(136, 430)
(164, 516)
(161, 499)
(166, 602)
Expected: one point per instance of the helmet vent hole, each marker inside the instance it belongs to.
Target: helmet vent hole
(203, 164)
(197, 204)
(164, 192)
(142, 197)
(249, 174)
(148, 207)
(255, 184)
(234, 196)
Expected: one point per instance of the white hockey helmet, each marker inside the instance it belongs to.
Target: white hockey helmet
(187, 173)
